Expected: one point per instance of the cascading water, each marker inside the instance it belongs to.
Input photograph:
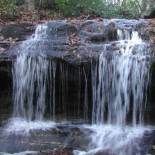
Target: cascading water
(119, 82)
(34, 76)
(30, 76)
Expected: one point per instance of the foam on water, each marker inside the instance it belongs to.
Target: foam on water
(111, 140)
(22, 126)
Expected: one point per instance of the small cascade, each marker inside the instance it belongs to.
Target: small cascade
(119, 85)
(120, 82)
(31, 77)
(42, 84)
(110, 92)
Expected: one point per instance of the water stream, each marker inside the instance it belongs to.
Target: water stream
(119, 83)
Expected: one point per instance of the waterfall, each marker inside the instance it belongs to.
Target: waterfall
(120, 82)
(119, 85)
(39, 93)
(31, 77)
(108, 95)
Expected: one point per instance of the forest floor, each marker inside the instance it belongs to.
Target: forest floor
(41, 16)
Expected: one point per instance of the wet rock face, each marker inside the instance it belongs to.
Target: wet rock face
(73, 41)
(12, 33)
(111, 32)
(59, 139)
(76, 44)
(150, 31)
(20, 31)
(151, 15)
(60, 28)
(65, 151)
(151, 107)
(97, 32)
(105, 152)
(5, 90)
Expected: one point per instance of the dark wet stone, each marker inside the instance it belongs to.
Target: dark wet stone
(111, 32)
(151, 150)
(105, 152)
(19, 31)
(92, 26)
(98, 32)
(94, 37)
(60, 34)
(5, 45)
(61, 151)
(58, 137)
(5, 90)
(60, 27)
(151, 15)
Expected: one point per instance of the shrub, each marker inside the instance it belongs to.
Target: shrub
(44, 4)
(19, 2)
(7, 8)
(75, 8)
(128, 9)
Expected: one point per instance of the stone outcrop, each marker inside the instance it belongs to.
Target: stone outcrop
(65, 151)
(73, 41)
(12, 33)
(150, 33)
(5, 89)
(73, 45)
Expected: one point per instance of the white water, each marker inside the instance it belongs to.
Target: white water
(114, 140)
(31, 74)
(21, 126)
(34, 76)
(120, 82)
(119, 85)
(31, 77)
